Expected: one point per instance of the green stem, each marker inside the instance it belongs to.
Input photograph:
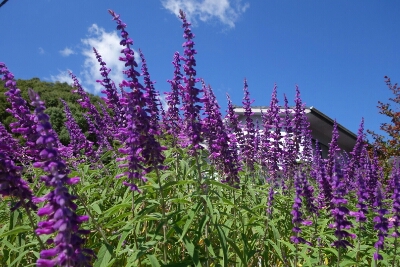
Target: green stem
(28, 211)
(163, 215)
(98, 227)
(395, 250)
(134, 228)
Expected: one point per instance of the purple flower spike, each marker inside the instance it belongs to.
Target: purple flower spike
(191, 104)
(395, 181)
(78, 140)
(12, 184)
(248, 149)
(236, 137)
(272, 137)
(339, 210)
(20, 111)
(152, 97)
(381, 222)
(361, 175)
(289, 153)
(356, 155)
(224, 156)
(333, 151)
(297, 216)
(100, 129)
(60, 207)
(172, 119)
(143, 151)
(10, 146)
(112, 98)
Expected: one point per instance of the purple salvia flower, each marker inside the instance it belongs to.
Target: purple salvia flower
(190, 101)
(297, 216)
(248, 150)
(101, 132)
(112, 99)
(152, 97)
(361, 174)
(373, 178)
(395, 180)
(221, 153)
(306, 140)
(319, 174)
(301, 130)
(108, 121)
(308, 195)
(236, 135)
(381, 223)
(12, 184)
(289, 153)
(60, 207)
(133, 107)
(297, 121)
(92, 130)
(333, 151)
(20, 111)
(339, 211)
(172, 116)
(257, 143)
(141, 147)
(11, 147)
(78, 140)
(356, 155)
(272, 137)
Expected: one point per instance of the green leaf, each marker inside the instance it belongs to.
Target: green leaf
(222, 240)
(96, 208)
(219, 184)
(124, 235)
(330, 251)
(191, 214)
(16, 230)
(289, 245)
(237, 250)
(276, 248)
(104, 256)
(153, 260)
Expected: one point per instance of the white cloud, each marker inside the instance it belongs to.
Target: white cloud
(66, 52)
(62, 77)
(107, 45)
(41, 51)
(223, 10)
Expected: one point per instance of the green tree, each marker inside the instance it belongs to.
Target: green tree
(388, 146)
(50, 93)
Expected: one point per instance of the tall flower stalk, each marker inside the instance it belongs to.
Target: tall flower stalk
(60, 208)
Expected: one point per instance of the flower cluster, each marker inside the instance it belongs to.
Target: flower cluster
(339, 210)
(224, 156)
(110, 91)
(20, 111)
(297, 215)
(99, 129)
(172, 119)
(143, 151)
(78, 141)
(60, 207)
(248, 150)
(191, 104)
(12, 184)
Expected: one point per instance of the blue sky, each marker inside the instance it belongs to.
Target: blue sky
(337, 52)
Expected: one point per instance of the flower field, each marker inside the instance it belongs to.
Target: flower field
(182, 185)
